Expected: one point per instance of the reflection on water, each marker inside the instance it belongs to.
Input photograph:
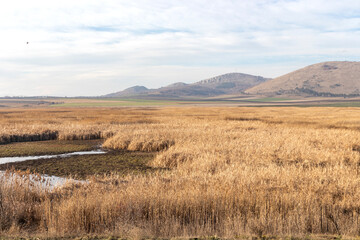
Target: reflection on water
(42, 181)
(36, 181)
(64, 155)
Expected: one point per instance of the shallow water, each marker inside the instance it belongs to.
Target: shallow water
(44, 181)
(64, 155)
(37, 181)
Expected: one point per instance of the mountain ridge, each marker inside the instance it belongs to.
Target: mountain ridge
(333, 78)
(325, 79)
(228, 83)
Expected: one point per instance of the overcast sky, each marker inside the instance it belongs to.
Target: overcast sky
(95, 47)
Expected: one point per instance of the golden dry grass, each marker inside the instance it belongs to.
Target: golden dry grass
(18, 125)
(233, 172)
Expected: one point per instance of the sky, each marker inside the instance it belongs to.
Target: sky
(94, 47)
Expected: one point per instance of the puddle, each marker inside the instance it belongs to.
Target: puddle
(64, 155)
(37, 181)
(42, 181)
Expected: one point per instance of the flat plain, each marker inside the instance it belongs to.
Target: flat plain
(183, 172)
(223, 100)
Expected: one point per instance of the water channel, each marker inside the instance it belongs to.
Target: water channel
(45, 181)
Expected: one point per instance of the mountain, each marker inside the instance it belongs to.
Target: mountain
(321, 79)
(230, 83)
(131, 91)
(178, 84)
(233, 82)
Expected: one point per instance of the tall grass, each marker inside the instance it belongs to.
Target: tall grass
(232, 172)
(80, 124)
(20, 203)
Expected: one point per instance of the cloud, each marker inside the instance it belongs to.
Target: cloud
(91, 47)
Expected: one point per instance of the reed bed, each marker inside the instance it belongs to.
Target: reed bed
(66, 124)
(232, 172)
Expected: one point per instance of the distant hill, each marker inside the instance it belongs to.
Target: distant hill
(321, 79)
(231, 83)
(136, 90)
(178, 84)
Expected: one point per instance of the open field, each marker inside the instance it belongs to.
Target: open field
(270, 99)
(229, 172)
(242, 100)
(114, 103)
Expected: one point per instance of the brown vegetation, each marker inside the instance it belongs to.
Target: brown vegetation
(19, 125)
(233, 172)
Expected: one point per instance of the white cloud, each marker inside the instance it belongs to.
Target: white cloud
(89, 47)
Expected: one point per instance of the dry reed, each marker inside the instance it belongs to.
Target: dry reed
(233, 172)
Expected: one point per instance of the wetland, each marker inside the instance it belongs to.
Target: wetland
(76, 159)
(194, 171)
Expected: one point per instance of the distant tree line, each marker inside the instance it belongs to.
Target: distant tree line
(325, 94)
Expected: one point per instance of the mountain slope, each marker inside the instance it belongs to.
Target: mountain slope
(234, 82)
(231, 83)
(131, 91)
(322, 79)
